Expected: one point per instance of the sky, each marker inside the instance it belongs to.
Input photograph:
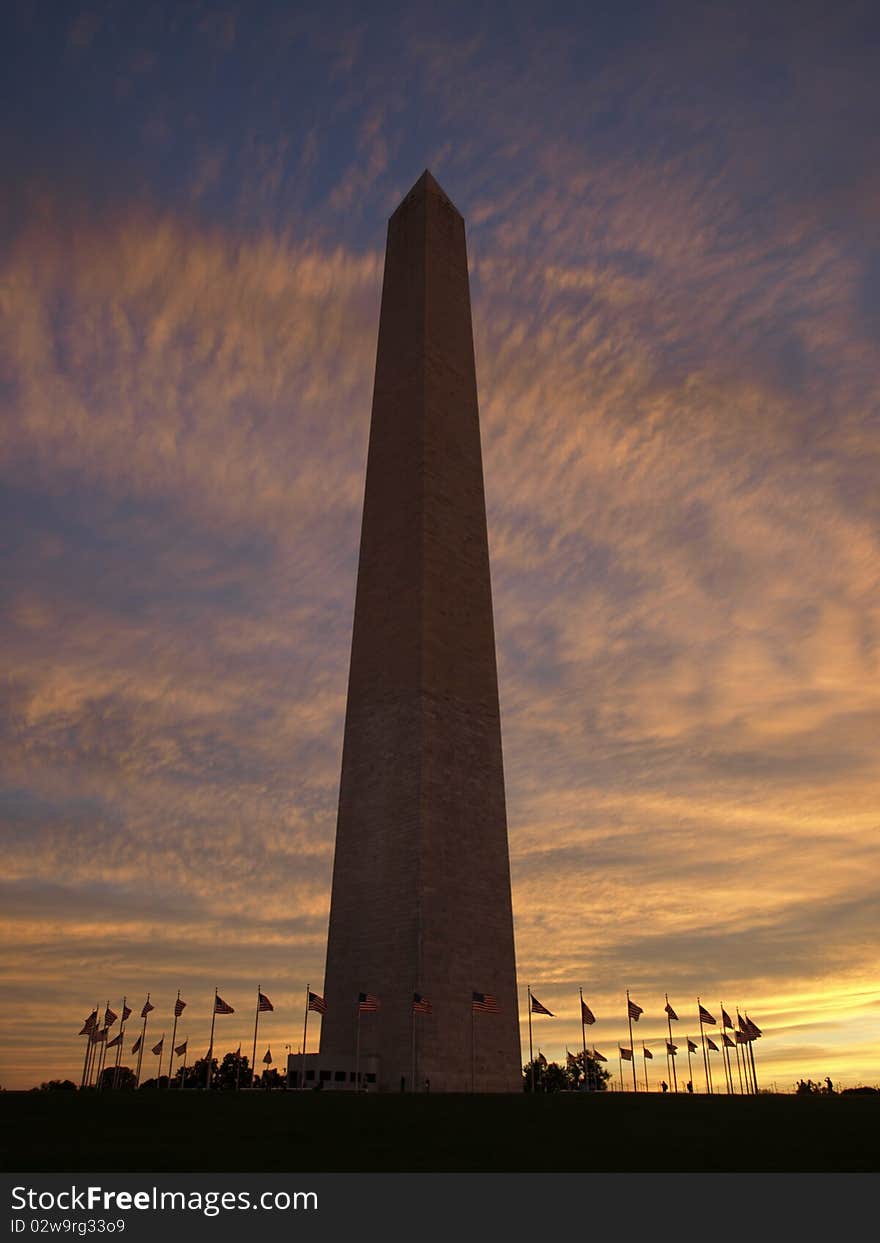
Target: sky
(675, 274)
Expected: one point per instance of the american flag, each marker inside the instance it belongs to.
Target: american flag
(741, 1038)
(752, 1029)
(181, 1048)
(318, 1004)
(634, 1011)
(537, 1008)
(692, 1048)
(587, 1015)
(421, 1005)
(626, 1054)
(126, 1013)
(98, 1034)
(671, 1048)
(669, 1010)
(367, 1003)
(90, 1023)
(647, 1053)
(109, 1017)
(135, 1048)
(484, 1003)
(725, 1018)
(111, 1044)
(157, 1048)
(264, 1002)
(597, 1056)
(268, 1057)
(179, 1007)
(710, 1044)
(705, 1016)
(147, 1008)
(728, 1041)
(221, 1006)
(743, 1026)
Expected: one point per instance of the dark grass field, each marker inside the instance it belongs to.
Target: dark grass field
(334, 1133)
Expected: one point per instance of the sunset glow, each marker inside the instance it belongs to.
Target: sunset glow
(671, 221)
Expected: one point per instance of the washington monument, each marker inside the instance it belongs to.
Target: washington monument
(420, 915)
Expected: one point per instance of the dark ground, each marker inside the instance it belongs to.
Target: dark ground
(311, 1132)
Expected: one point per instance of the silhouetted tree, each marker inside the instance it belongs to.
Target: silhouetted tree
(551, 1077)
(233, 1071)
(121, 1077)
(153, 1085)
(56, 1085)
(590, 1074)
(195, 1074)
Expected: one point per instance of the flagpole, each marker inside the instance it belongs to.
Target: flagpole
(690, 1072)
(82, 1082)
(619, 1068)
(119, 1047)
(412, 1086)
(745, 1056)
(473, 1046)
(738, 1066)
(583, 1035)
(102, 1052)
(238, 1069)
(137, 1081)
(254, 1054)
(747, 1051)
(102, 1056)
(211, 1044)
(645, 1060)
(754, 1072)
(92, 1044)
(705, 1053)
(669, 1051)
(91, 1054)
(96, 1054)
(173, 1038)
(302, 1085)
(728, 1079)
(85, 1082)
(631, 1051)
(96, 1057)
(743, 1084)
(161, 1055)
(531, 1054)
(750, 1086)
(357, 1051)
(183, 1072)
(88, 1035)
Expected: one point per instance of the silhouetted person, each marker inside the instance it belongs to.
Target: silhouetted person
(427, 1085)
(403, 1083)
(829, 1087)
(664, 1086)
(690, 1086)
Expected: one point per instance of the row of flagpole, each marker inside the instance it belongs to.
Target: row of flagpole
(745, 1032)
(98, 1042)
(366, 1003)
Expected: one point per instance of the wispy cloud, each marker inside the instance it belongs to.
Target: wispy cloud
(676, 349)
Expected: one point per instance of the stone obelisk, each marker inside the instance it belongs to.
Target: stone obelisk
(421, 880)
